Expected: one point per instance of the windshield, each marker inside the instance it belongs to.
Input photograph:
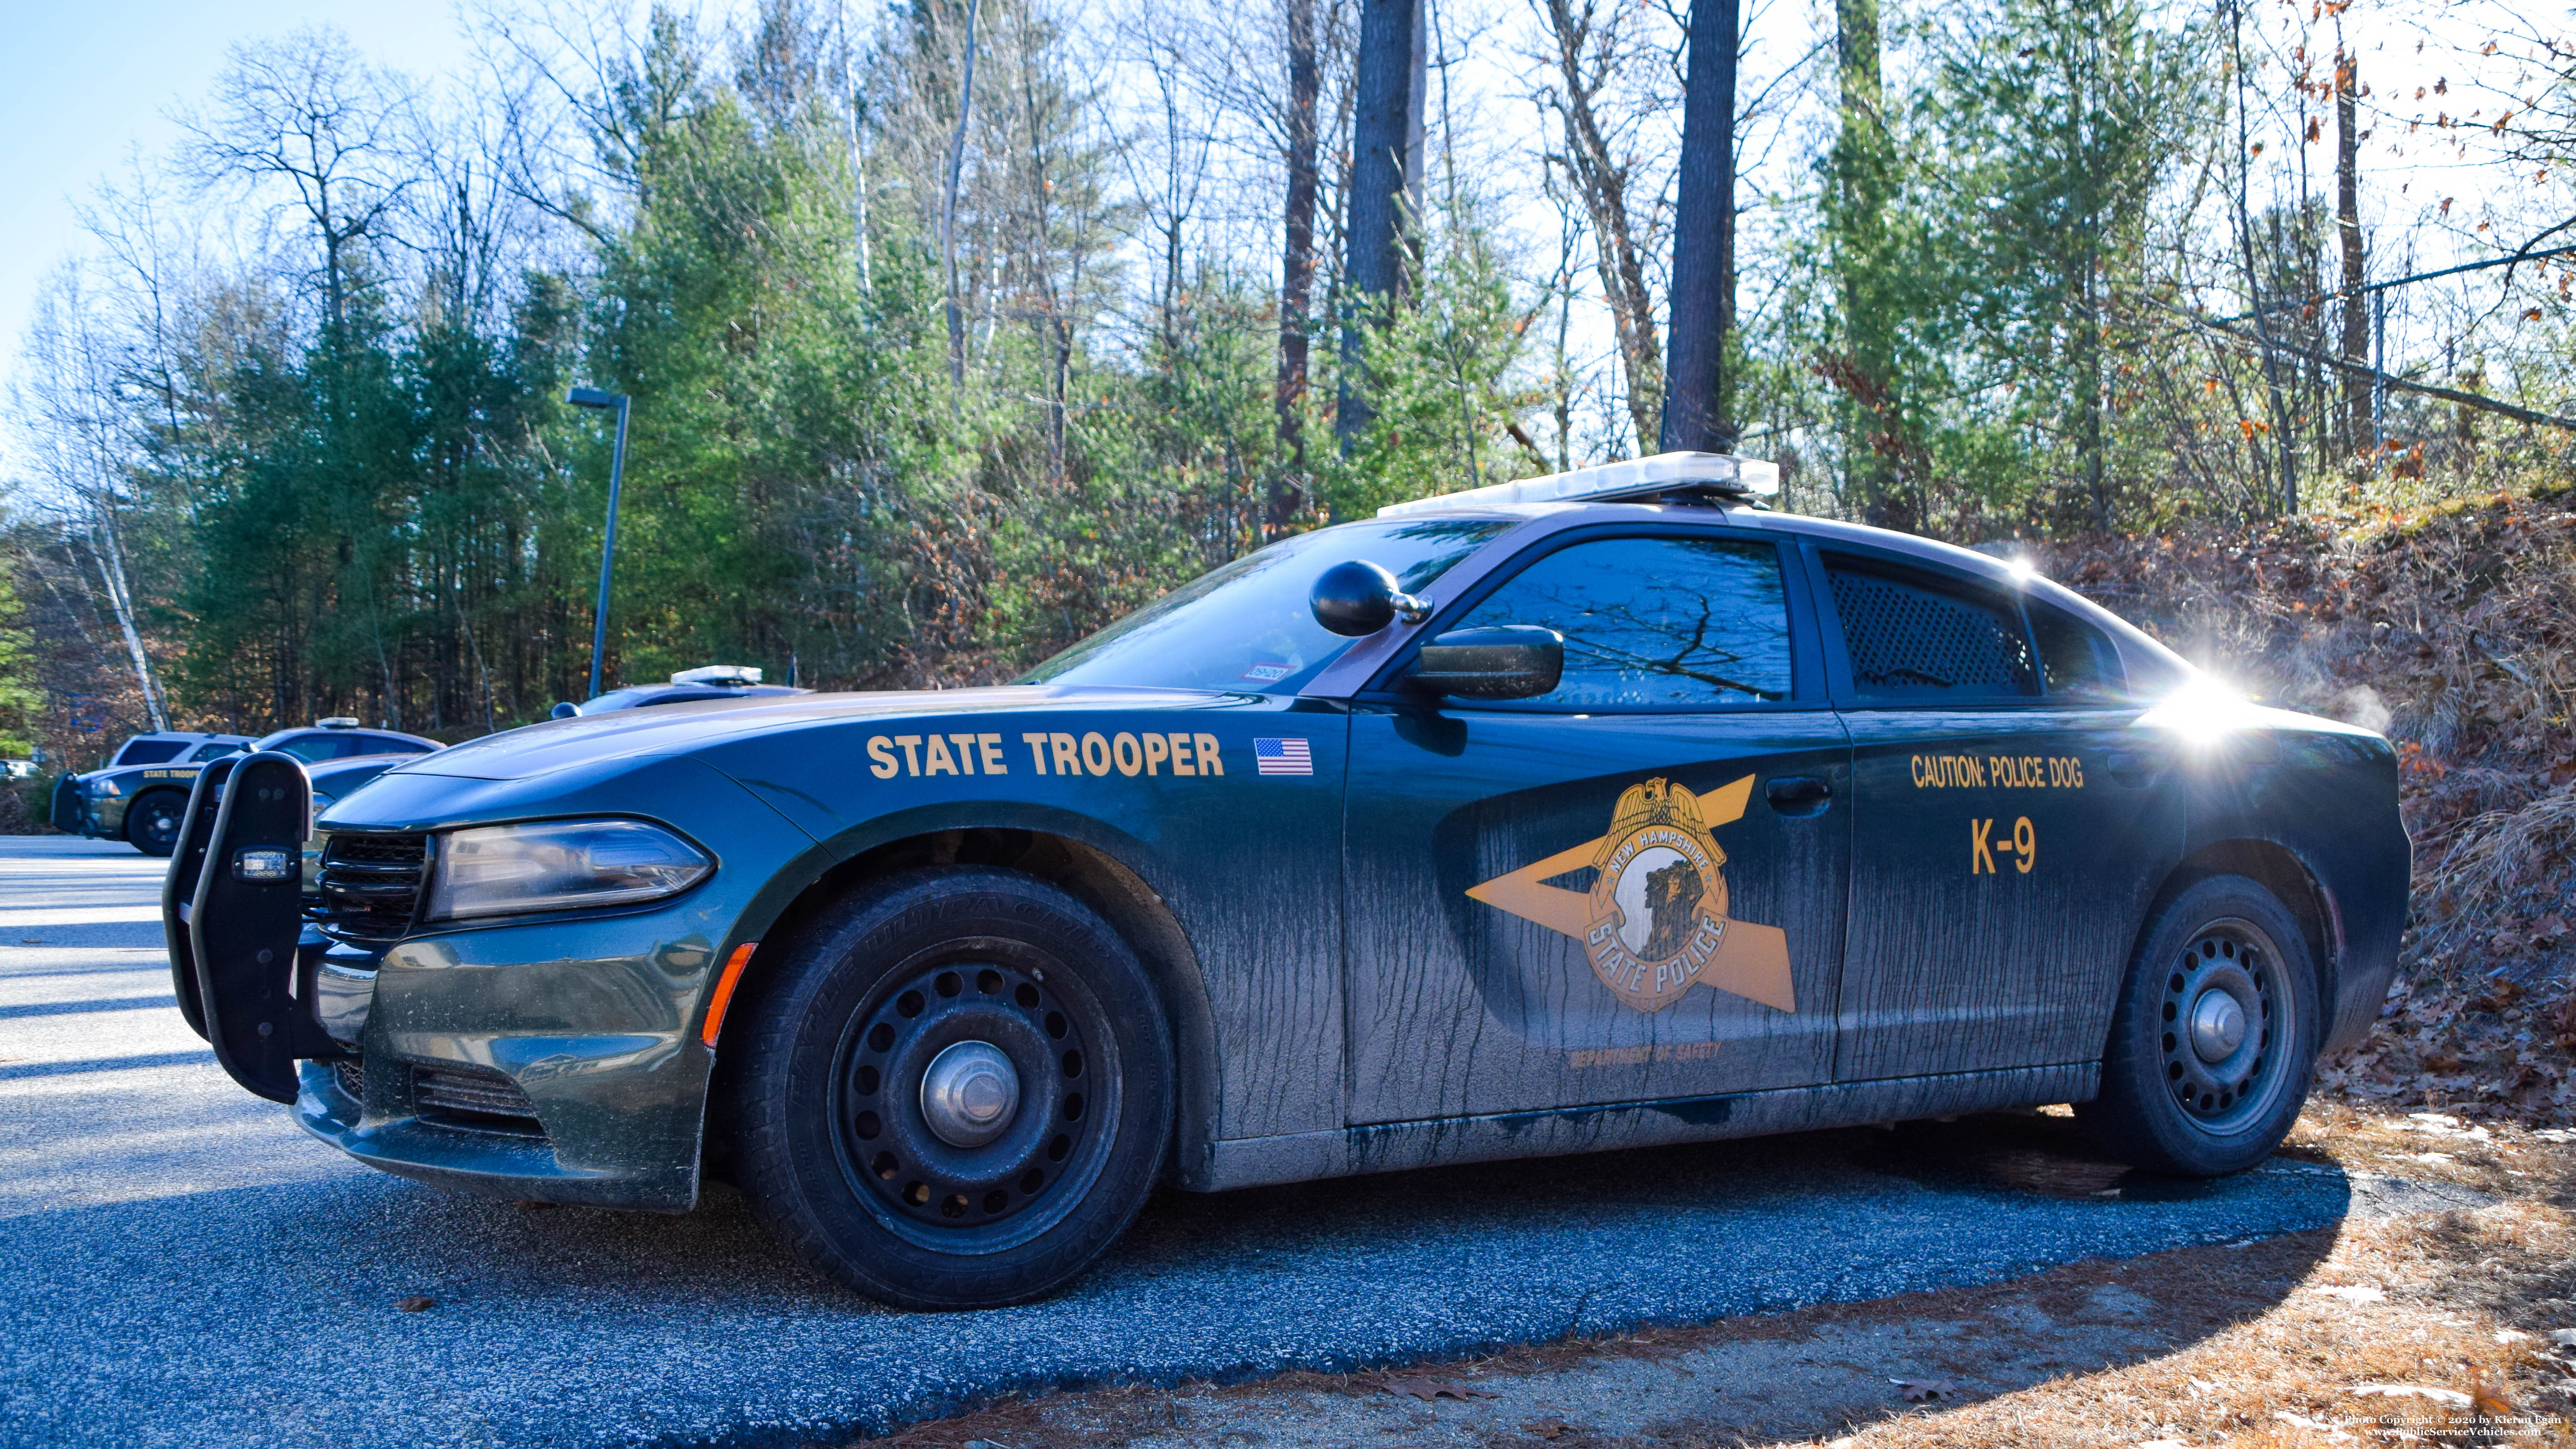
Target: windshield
(1247, 626)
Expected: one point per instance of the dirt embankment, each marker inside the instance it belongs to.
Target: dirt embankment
(2452, 629)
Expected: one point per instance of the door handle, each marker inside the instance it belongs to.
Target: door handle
(2134, 768)
(1799, 795)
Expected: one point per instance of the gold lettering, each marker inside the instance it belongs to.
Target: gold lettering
(1068, 758)
(911, 747)
(1037, 750)
(1096, 761)
(965, 752)
(1181, 755)
(1210, 763)
(1157, 750)
(885, 766)
(990, 748)
(1125, 751)
(2025, 845)
(939, 760)
(1980, 861)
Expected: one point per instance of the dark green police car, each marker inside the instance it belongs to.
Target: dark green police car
(1591, 811)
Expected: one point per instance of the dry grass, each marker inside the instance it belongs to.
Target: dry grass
(2448, 627)
(2470, 1298)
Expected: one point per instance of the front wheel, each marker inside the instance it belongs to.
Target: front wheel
(956, 1090)
(2215, 1036)
(152, 822)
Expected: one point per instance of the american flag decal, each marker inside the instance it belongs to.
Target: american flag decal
(1283, 757)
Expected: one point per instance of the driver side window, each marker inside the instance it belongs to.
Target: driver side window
(1655, 622)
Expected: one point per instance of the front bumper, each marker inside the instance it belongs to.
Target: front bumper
(580, 1035)
(550, 1058)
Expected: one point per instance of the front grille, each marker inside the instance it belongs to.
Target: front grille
(352, 1079)
(369, 885)
(472, 1097)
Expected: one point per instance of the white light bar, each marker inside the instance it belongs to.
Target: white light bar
(719, 674)
(1662, 473)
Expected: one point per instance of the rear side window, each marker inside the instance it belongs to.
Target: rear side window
(149, 752)
(314, 749)
(2077, 661)
(215, 751)
(1655, 622)
(391, 745)
(1920, 637)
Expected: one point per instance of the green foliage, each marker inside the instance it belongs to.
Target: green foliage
(1449, 377)
(20, 701)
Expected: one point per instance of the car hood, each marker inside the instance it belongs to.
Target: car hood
(673, 729)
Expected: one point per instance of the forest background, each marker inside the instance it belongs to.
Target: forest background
(956, 329)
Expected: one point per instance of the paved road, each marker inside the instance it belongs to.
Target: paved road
(180, 1266)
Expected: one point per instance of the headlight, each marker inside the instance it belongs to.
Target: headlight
(556, 865)
(105, 789)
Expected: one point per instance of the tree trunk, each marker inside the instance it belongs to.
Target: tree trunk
(1297, 255)
(2356, 309)
(1703, 299)
(1381, 135)
(948, 205)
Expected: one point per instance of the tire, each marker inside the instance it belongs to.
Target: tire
(152, 821)
(835, 1139)
(2215, 1036)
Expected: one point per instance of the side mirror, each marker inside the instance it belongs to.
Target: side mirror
(565, 710)
(1359, 598)
(1506, 661)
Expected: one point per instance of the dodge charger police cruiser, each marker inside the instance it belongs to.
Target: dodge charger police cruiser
(1591, 811)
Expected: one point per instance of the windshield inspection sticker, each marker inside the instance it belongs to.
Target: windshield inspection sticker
(1268, 671)
(1654, 924)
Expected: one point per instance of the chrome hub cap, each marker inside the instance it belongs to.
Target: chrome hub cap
(969, 1094)
(971, 1102)
(2217, 1026)
(2228, 1031)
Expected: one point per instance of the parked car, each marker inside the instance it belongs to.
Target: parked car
(142, 802)
(1593, 811)
(689, 686)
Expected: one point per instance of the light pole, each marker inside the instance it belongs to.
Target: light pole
(591, 397)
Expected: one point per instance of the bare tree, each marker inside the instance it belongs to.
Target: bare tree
(308, 112)
(1586, 49)
(65, 397)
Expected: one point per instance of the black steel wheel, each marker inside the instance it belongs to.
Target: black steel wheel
(152, 821)
(955, 1091)
(2215, 1036)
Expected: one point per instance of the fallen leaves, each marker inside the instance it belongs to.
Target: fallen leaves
(415, 1304)
(1429, 1389)
(1548, 1428)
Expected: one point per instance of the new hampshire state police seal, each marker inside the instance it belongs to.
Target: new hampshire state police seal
(1659, 900)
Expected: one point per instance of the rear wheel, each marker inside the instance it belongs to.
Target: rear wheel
(152, 821)
(2215, 1037)
(956, 1090)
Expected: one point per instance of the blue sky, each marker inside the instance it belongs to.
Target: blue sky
(86, 82)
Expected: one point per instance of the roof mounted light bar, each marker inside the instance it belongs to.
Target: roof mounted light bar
(736, 675)
(1718, 473)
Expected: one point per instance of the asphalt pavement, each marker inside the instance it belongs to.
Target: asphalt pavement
(179, 1265)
